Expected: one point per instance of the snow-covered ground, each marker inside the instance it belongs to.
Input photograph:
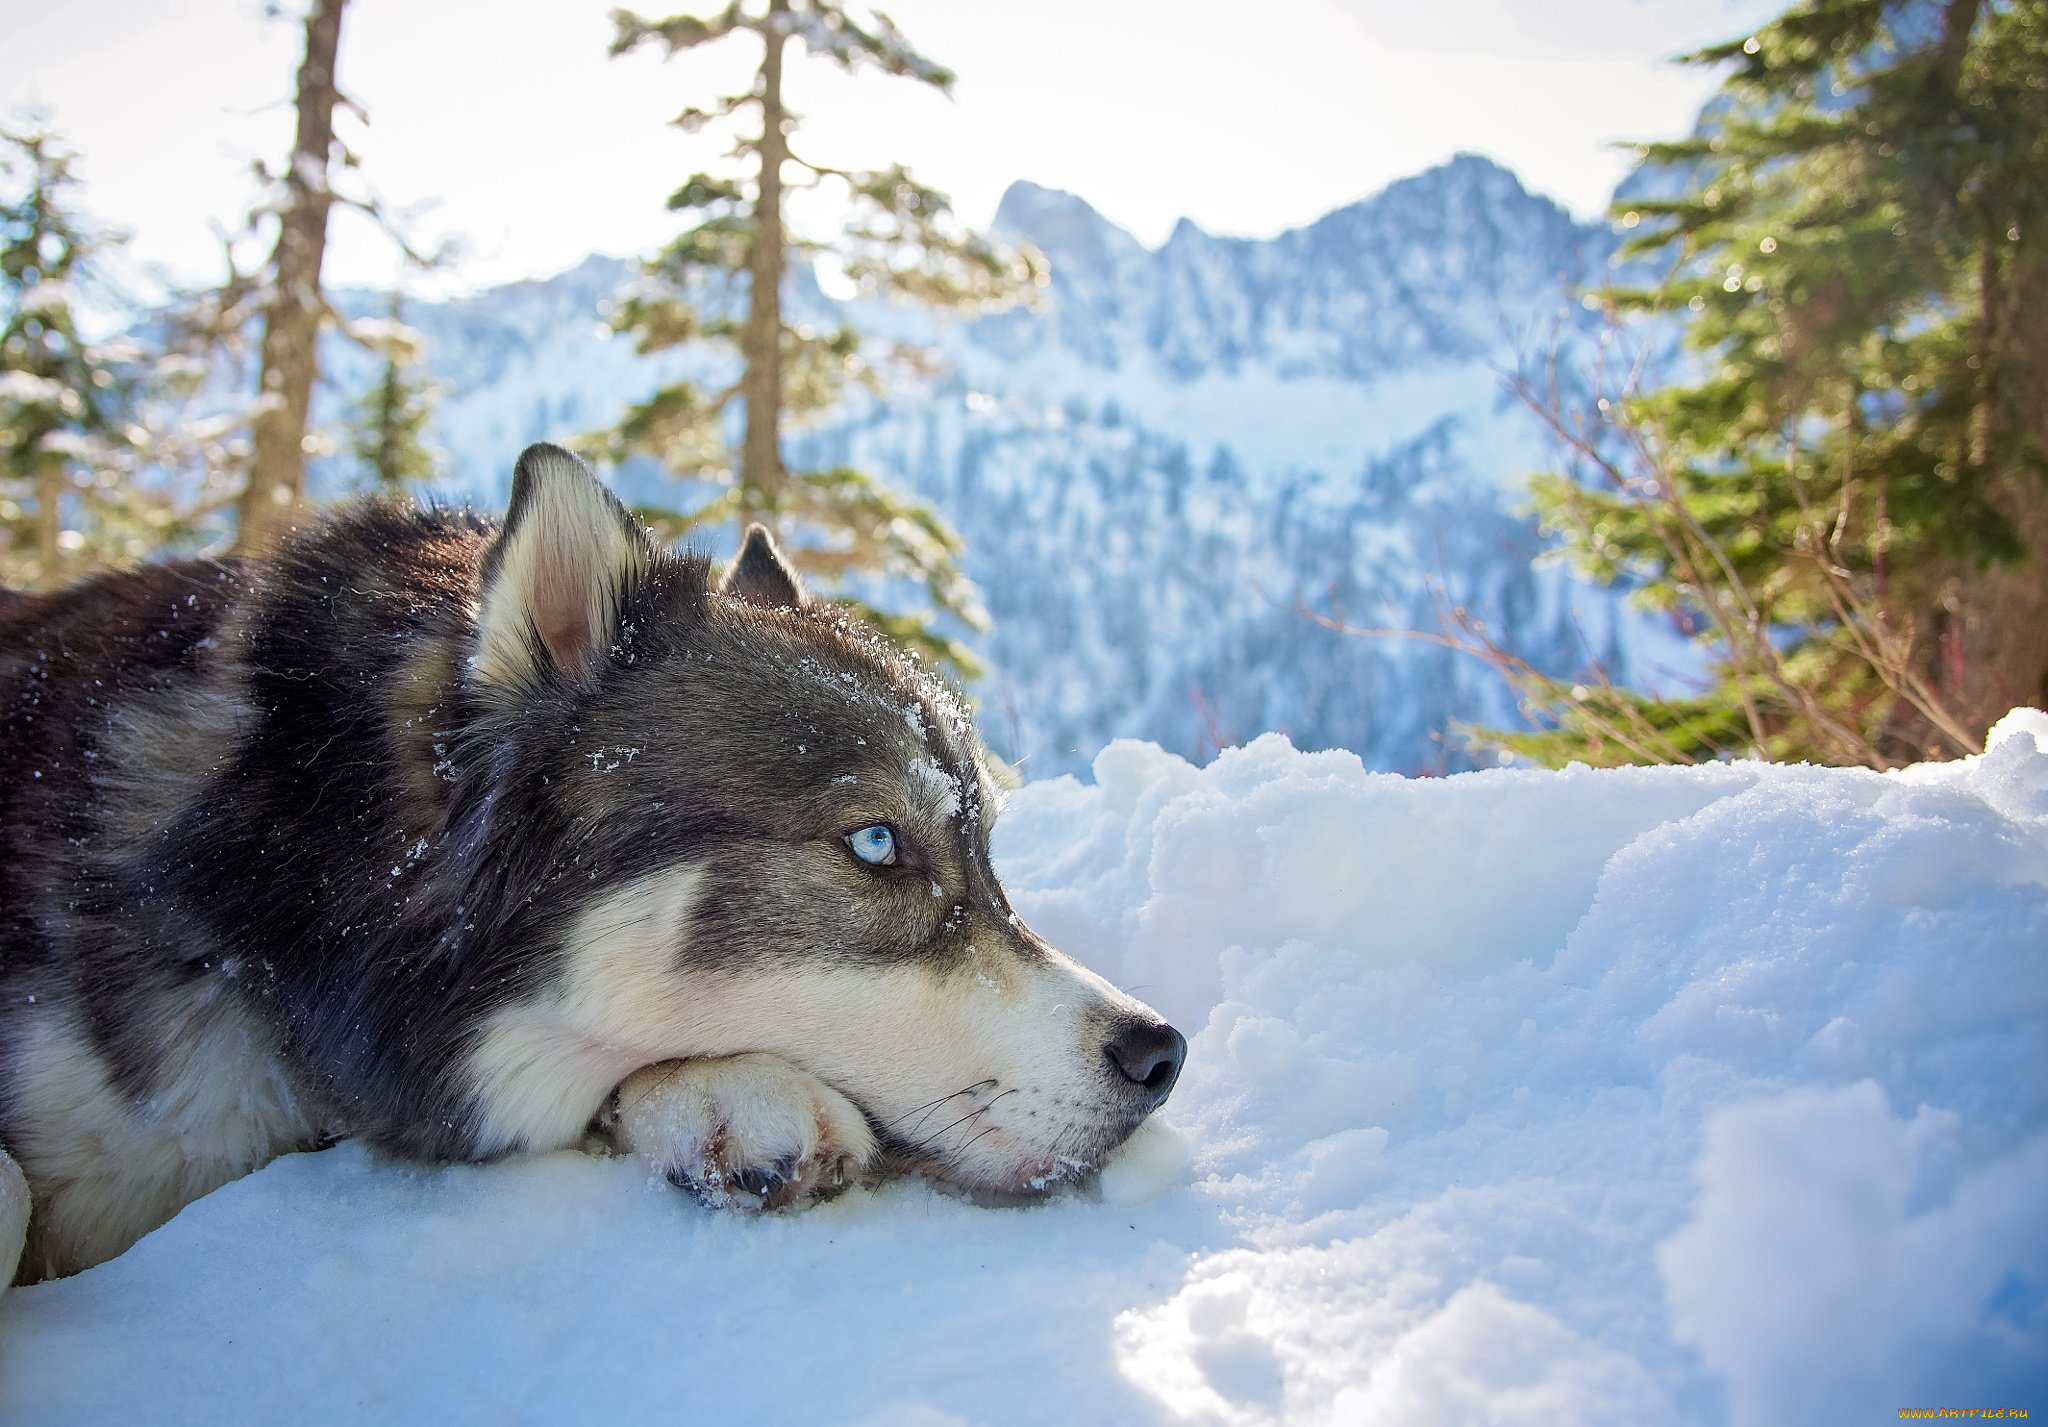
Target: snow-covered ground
(1686, 1095)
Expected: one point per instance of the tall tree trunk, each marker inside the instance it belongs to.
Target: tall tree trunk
(291, 322)
(761, 477)
(1958, 20)
(2002, 614)
(49, 522)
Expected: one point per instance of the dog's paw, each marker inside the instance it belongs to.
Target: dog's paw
(743, 1131)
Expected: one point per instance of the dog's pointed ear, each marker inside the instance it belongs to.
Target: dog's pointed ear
(555, 583)
(761, 576)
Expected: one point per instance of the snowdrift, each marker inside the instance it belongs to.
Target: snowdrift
(1711, 1095)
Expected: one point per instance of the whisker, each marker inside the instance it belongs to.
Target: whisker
(925, 1110)
(970, 1115)
(620, 926)
(985, 1129)
(929, 1110)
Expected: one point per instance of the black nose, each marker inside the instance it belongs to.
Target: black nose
(1148, 1054)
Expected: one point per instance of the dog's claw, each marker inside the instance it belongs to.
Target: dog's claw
(762, 1183)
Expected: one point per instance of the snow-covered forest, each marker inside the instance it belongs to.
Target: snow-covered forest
(1152, 472)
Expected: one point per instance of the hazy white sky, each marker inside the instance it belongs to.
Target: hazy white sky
(1248, 116)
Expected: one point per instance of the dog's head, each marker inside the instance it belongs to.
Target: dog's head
(751, 825)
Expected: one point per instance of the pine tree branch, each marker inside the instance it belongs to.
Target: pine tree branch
(675, 34)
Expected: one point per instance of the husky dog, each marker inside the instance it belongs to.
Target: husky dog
(468, 842)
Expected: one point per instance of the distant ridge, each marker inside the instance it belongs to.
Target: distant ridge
(1150, 468)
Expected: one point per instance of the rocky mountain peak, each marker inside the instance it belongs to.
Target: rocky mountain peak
(1429, 268)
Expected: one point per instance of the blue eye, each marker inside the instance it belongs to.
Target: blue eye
(875, 845)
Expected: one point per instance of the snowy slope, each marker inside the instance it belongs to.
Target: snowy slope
(1151, 469)
(1691, 1096)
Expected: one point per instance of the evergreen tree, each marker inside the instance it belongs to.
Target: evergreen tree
(901, 241)
(86, 478)
(387, 425)
(1845, 502)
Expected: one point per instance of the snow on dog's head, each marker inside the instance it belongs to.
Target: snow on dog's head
(762, 829)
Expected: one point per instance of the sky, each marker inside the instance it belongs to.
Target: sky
(502, 123)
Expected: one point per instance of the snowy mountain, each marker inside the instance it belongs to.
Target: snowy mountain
(1180, 444)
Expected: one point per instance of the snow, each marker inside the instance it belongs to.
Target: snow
(940, 788)
(46, 299)
(1699, 1096)
(76, 445)
(28, 389)
(385, 334)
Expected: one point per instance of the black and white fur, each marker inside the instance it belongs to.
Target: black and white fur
(467, 843)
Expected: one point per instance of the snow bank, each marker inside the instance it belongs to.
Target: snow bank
(1696, 1096)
